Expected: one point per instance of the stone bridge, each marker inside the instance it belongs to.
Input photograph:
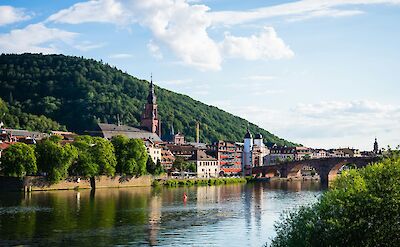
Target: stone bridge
(327, 168)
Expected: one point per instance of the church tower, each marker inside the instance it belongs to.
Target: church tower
(149, 118)
(376, 148)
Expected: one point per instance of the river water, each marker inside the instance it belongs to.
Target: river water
(225, 215)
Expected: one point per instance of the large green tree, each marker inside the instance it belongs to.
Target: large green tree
(96, 156)
(55, 159)
(131, 155)
(18, 160)
(361, 209)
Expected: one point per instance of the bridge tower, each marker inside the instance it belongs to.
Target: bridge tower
(247, 152)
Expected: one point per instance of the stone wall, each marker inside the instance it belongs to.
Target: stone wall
(122, 181)
(35, 183)
(39, 183)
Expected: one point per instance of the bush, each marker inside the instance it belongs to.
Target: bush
(156, 183)
(172, 182)
(361, 209)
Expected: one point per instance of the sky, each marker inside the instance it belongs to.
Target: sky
(323, 73)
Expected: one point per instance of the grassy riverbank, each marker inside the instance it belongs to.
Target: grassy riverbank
(198, 181)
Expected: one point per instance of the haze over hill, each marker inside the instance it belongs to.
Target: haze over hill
(78, 93)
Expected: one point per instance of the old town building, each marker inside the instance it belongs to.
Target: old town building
(229, 154)
(206, 165)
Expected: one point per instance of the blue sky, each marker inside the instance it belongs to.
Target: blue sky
(323, 73)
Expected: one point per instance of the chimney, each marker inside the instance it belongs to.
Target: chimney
(197, 132)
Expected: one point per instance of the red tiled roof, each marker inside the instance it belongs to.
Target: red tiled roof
(4, 145)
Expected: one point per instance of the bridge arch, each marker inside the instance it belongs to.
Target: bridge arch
(327, 168)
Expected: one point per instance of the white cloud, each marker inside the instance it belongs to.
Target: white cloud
(259, 78)
(154, 50)
(35, 38)
(120, 55)
(107, 11)
(326, 13)
(179, 25)
(9, 14)
(87, 46)
(182, 27)
(304, 8)
(267, 45)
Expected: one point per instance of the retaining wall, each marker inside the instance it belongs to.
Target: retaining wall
(39, 183)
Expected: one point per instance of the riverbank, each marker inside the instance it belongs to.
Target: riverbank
(40, 183)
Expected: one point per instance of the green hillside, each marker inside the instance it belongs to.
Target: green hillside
(78, 92)
(12, 116)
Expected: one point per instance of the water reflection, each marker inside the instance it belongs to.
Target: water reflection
(213, 215)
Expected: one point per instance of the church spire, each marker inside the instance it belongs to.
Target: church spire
(151, 98)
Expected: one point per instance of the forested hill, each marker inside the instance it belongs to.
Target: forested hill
(78, 92)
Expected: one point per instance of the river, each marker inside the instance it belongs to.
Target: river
(225, 215)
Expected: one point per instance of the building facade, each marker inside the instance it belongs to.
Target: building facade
(167, 159)
(229, 154)
(154, 151)
(206, 165)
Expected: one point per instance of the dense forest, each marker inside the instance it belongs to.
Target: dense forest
(12, 116)
(77, 93)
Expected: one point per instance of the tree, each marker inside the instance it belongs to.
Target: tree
(159, 169)
(150, 166)
(18, 160)
(55, 159)
(154, 168)
(179, 164)
(96, 156)
(131, 155)
(191, 167)
(85, 164)
(361, 209)
(104, 154)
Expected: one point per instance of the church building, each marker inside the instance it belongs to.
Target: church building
(149, 129)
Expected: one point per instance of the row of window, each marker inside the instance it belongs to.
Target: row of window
(208, 163)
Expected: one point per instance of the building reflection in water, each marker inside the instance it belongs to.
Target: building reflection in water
(294, 186)
(78, 201)
(258, 205)
(154, 218)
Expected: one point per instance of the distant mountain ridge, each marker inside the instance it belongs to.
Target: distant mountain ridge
(78, 93)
